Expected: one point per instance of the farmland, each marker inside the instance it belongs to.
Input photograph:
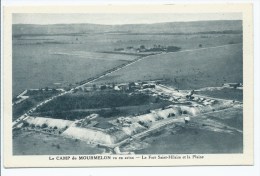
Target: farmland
(67, 66)
(232, 94)
(78, 56)
(193, 141)
(186, 70)
(28, 143)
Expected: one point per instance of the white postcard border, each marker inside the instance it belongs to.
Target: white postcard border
(209, 159)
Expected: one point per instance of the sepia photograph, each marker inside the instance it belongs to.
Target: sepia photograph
(98, 85)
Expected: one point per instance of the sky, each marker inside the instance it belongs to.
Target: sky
(111, 19)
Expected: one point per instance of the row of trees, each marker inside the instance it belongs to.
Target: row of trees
(155, 48)
(160, 48)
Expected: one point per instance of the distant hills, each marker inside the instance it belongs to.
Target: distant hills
(221, 26)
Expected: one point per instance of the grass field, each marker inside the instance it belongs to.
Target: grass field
(38, 66)
(28, 143)
(231, 117)
(194, 141)
(230, 94)
(186, 70)
(40, 61)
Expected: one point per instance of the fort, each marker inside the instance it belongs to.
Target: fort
(185, 106)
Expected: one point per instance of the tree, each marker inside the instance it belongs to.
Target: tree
(25, 124)
(142, 47)
(103, 87)
(172, 48)
(44, 125)
(157, 99)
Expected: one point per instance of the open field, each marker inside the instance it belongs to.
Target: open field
(28, 143)
(66, 54)
(192, 141)
(203, 27)
(186, 70)
(230, 117)
(108, 42)
(231, 94)
(68, 63)
(38, 66)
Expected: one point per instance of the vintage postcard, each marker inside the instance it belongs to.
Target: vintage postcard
(129, 85)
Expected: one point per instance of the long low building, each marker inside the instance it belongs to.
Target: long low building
(90, 135)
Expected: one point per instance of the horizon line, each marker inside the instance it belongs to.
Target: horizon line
(126, 23)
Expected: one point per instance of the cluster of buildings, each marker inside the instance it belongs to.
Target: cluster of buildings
(117, 87)
(184, 106)
(154, 48)
(88, 121)
(125, 129)
(124, 121)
